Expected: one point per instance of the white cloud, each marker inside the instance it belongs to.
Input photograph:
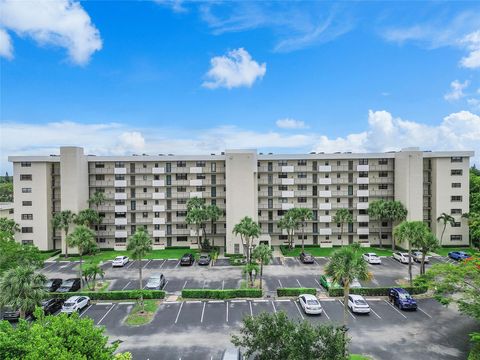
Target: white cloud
(290, 124)
(174, 5)
(235, 69)
(456, 90)
(474, 104)
(6, 48)
(383, 132)
(62, 23)
(472, 41)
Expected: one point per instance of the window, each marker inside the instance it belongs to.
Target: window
(182, 226)
(27, 230)
(270, 166)
(456, 224)
(270, 228)
(270, 203)
(26, 203)
(202, 176)
(200, 164)
(213, 167)
(282, 163)
(302, 162)
(26, 190)
(363, 174)
(181, 189)
(181, 213)
(120, 227)
(181, 164)
(302, 175)
(119, 164)
(27, 216)
(363, 224)
(145, 214)
(363, 187)
(101, 240)
(26, 177)
(456, 159)
(99, 177)
(144, 190)
(168, 180)
(181, 201)
(283, 200)
(27, 242)
(363, 199)
(25, 164)
(200, 188)
(102, 227)
(302, 199)
(283, 187)
(338, 200)
(456, 211)
(363, 237)
(133, 205)
(168, 167)
(181, 177)
(455, 198)
(363, 212)
(363, 161)
(156, 214)
(455, 237)
(383, 187)
(382, 174)
(184, 238)
(384, 223)
(383, 162)
(456, 185)
(213, 191)
(119, 177)
(283, 176)
(302, 187)
(456, 172)
(119, 190)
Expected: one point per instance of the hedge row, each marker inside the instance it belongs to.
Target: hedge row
(295, 291)
(378, 291)
(221, 294)
(113, 295)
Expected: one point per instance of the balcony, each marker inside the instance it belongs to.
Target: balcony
(158, 195)
(196, 182)
(325, 206)
(196, 170)
(120, 171)
(326, 231)
(288, 194)
(363, 231)
(158, 208)
(120, 196)
(157, 183)
(287, 169)
(325, 181)
(158, 233)
(197, 194)
(120, 221)
(193, 232)
(363, 193)
(158, 170)
(158, 221)
(362, 206)
(363, 218)
(325, 168)
(121, 233)
(325, 218)
(325, 193)
(363, 168)
(288, 181)
(120, 183)
(287, 206)
(121, 208)
(362, 180)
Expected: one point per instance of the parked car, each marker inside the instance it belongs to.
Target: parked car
(9, 314)
(51, 306)
(75, 304)
(327, 282)
(187, 259)
(310, 304)
(372, 258)
(358, 304)
(402, 299)
(120, 261)
(52, 285)
(232, 354)
(70, 285)
(155, 282)
(204, 259)
(417, 257)
(306, 258)
(401, 256)
(458, 255)
(355, 284)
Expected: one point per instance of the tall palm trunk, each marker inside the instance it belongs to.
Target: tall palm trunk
(346, 292)
(198, 237)
(443, 232)
(80, 269)
(341, 232)
(393, 239)
(261, 272)
(66, 244)
(141, 285)
(410, 263)
(422, 264)
(303, 237)
(380, 234)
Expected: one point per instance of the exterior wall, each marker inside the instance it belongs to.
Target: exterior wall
(242, 193)
(7, 210)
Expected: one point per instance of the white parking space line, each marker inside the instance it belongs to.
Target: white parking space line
(227, 313)
(251, 310)
(46, 267)
(164, 286)
(129, 265)
(299, 283)
(203, 311)
(215, 301)
(274, 308)
(375, 313)
(177, 264)
(204, 282)
(178, 314)
(126, 285)
(104, 316)
(223, 284)
(353, 316)
(328, 317)
(394, 308)
(148, 262)
(280, 283)
(183, 287)
(282, 300)
(89, 306)
(316, 262)
(296, 305)
(320, 286)
(424, 312)
(238, 301)
(260, 301)
(193, 302)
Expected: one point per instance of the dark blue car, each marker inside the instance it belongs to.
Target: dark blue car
(458, 255)
(402, 299)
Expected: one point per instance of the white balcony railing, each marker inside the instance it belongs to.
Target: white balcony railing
(325, 181)
(158, 233)
(325, 168)
(325, 206)
(326, 231)
(363, 193)
(158, 208)
(363, 231)
(120, 221)
(288, 194)
(288, 181)
(158, 195)
(121, 208)
(157, 183)
(362, 206)
(120, 183)
(158, 170)
(325, 218)
(120, 171)
(121, 233)
(120, 196)
(196, 194)
(287, 169)
(195, 170)
(362, 180)
(325, 193)
(287, 206)
(196, 182)
(363, 218)
(362, 167)
(158, 221)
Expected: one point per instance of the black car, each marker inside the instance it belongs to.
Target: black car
(204, 259)
(51, 306)
(187, 259)
(52, 285)
(306, 258)
(70, 285)
(12, 315)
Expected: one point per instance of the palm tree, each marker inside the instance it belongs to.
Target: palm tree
(303, 215)
(62, 221)
(83, 238)
(395, 212)
(97, 199)
(22, 289)
(263, 254)
(376, 211)
(289, 222)
(139, 244)
(91, 272)
(345, 265)
(410, 232)
(342, 217)
(87, 217)
(248, 230)
(425, 244)
(446, 219)
(197, 216)
(214, 213)
(252, 270)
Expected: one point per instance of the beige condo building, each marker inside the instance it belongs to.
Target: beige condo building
(153, 191)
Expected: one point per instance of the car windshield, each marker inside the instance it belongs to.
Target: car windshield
(405, 296)
(154, 281)
(68, 282)
(374, 255)
(360, 302)
(119, 258)
(312, 302)
(203, 257)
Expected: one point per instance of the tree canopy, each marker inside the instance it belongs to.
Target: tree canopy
(14, 254)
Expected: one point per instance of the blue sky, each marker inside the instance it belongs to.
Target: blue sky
(179, 77)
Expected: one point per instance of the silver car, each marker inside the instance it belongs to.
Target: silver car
(155, 282)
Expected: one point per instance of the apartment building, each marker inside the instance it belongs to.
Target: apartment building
(153, 191)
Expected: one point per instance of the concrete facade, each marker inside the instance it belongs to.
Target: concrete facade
(152, 191)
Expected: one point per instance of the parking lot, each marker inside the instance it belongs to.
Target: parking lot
(201, 329)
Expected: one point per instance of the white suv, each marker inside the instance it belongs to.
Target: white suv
(75, 304)
(402, 257)
(310, 304)
(357, 304)
(372, 258)
(120, 261)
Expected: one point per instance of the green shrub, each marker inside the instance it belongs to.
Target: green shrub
(113, 295)
(237, 261)
(295, 291)
(378, 291)
(221, 294)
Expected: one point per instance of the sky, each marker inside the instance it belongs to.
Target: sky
(171, 76)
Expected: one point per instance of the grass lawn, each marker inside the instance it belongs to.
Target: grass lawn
(154, 254)
(318, 251)
(135, 318)
(48, 254)
(445, 250)
(358, 357)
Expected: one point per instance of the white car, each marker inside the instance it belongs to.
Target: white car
(355, 284)
(120, 261)
(357, 304)
(372, 258)
(75, 304)
(310, 304)
(402, 257)
(417, 257)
